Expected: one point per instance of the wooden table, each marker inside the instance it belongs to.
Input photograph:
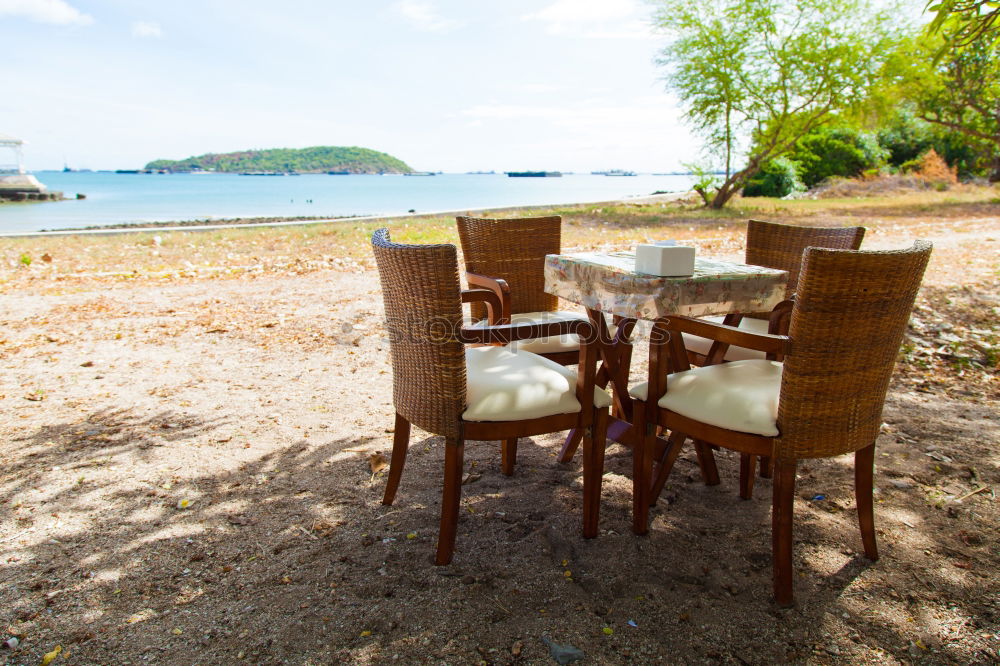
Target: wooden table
(609, 283)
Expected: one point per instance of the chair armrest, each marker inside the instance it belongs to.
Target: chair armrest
(504, 333)
(494, 306)
(499, 287)
(667, 353)
(765, 342)
(781, 317)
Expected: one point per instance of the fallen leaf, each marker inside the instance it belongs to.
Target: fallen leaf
(377, 462)
(50, 656)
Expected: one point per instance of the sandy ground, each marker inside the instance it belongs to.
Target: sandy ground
(185, 478)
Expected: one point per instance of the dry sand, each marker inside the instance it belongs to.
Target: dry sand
(255, 402)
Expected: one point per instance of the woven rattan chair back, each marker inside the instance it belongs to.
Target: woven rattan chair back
(423, 312)
(850, 314)
(781, 245)
(513, 249)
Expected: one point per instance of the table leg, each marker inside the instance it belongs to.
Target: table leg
(615, 355)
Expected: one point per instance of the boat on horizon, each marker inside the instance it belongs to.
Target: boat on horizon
(534, 174)
(613, 172)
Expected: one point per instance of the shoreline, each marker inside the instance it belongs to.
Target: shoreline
(246, 223)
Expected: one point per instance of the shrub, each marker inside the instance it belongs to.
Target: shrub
(907, 138)
(777, 178)
(932, 168)
(837, 151)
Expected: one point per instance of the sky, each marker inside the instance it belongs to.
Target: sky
(444, 85)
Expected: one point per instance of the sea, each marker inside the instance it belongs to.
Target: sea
(136, 198)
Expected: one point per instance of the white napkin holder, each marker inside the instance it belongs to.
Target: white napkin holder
(664, 260)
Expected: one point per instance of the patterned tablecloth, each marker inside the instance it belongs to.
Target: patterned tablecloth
(609, 282)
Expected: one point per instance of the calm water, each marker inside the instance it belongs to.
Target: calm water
(133, 198)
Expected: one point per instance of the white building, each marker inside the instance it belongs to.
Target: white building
(12, 175)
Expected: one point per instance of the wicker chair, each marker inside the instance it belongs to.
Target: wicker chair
(507, 256)
(824, 399)
(485, 392)
(775, 246)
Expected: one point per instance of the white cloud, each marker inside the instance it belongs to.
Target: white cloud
(580, 11)
(614, 19)
(643, 133)
(58, 12)
(146, 29)
(648, 111)
(423, 16)
(632, 30)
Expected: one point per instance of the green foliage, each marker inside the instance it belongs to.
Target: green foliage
(705, 181)
(317, 159)
(959, 92)
(763, 73)
(25, 259)
(906, 137)
(964, 22)
(778, 178)
(838, 151)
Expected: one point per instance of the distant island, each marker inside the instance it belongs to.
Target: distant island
(318, 159)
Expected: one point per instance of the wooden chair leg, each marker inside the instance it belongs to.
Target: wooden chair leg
(666, 464)
(642, 471)
(706, 461)
(451, 497)
(593, 472)
(766, 467)
(781, 529)
(508, 456)
(400, 444)
(570, 445)
(747, 473)
(864, 472)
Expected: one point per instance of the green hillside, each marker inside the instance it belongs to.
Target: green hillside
(318, 159)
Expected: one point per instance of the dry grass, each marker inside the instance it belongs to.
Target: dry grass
(344, 245)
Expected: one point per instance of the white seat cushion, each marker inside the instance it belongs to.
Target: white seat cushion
(702, 345)
(741, 396)
(555, 343)
(506, 386)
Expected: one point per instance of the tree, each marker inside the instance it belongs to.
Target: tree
(961, 90)
(906, 137)
(964, 22)
(756, 75)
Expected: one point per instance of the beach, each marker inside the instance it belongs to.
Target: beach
(153, 199)
(187, 434)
